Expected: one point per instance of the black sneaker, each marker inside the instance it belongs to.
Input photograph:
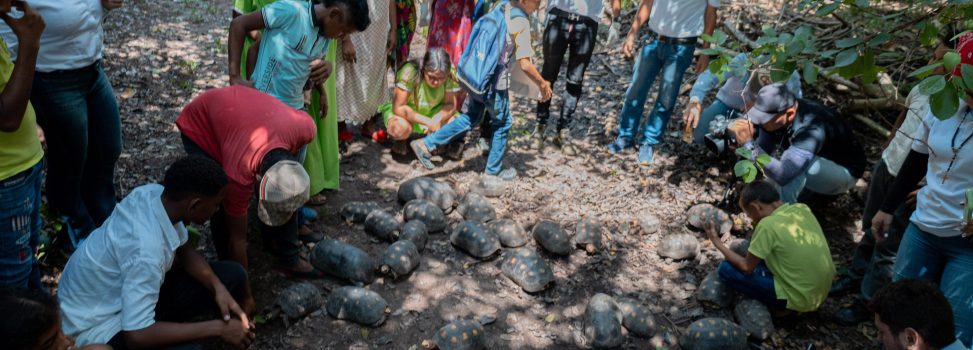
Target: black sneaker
(852, 315)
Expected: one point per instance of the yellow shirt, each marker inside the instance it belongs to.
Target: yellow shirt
(20, 149)
(792, 244)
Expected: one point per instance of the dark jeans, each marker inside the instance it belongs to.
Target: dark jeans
(280, 240)
(758, 285)
(872, 263)
(575, 35)
(79, 114)
(183, 299)
(20, 224)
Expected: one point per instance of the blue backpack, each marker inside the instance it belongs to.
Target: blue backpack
(477, 68)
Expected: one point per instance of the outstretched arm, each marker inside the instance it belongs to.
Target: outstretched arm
(239, 28)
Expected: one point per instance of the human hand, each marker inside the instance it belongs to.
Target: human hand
(880, 225)
(390, 44)
(27, 28)
(546, 92)
(229, 306)
(348, 52)
(910, 200)
(742, 130)
(320, 71)
(111, 4)
(691, 115)
(41, 137)
(710, 227)
(629, 46)
(702, 64)
(236, 334)
(968, 229)
(237, 80)
(323, 106)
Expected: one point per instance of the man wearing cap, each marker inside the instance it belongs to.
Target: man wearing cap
(256, 138)
(820, 153)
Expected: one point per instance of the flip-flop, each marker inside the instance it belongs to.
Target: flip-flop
(291, 274)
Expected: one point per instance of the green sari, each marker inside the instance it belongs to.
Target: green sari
(321, 162)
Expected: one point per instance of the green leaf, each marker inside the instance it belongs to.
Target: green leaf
(967, 72)
(720, 37)
(950, 60)
(769, 30)
(716, 65)
(929, 34)
(861, 3)
(707, 38)
(763, 159)
(810, 72)
(709, 52)
(932, 85)
(880, 39)
(846, 58)
(944, 103)
(827, 53)
(745, 170)
(794, 47)
(827, 9)
(846, 43)
(926, 70)
(766, 39)
(869, 70)
(744, 152)
(890, 56)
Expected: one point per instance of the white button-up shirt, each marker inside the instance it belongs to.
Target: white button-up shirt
(112, 282)
(679, 18)
(72, 35)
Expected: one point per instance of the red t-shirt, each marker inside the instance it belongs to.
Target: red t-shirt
(237, 126)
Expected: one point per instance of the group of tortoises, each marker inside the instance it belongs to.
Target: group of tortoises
(483, 235)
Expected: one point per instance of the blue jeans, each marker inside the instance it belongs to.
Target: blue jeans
(759, 285)
(20, 224)
(820, 176)
(497, 106)
(79, 114)
(669, 60)
(710, 113)
(947, 261)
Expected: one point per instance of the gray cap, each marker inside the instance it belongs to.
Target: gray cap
(771, 101)
(284, 188)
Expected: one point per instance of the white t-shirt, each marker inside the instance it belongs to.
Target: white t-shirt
(894, 155)
(112, 282)
(939, 209)
(517, 46)
(679, 18)
(72, 35)
(593, 9)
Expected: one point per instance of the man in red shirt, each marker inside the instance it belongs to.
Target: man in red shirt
(256, 138)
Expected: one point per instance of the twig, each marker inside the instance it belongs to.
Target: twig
(871, 124)
(860, 104)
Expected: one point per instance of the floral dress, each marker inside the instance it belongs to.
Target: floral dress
(406, 17)
(450, 26)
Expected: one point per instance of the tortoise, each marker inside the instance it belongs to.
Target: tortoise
(679, 246)
(527, 269)
(740, 246)
(473, 238)
(552, 238)
(637, 318)
(343, 260)
(489, 186)
(714, 293)
(460, 335)
(755, 318)
(714, 334)
(359, 305)
(382, 225)
(414, 231)
(296, 301)
(603, 322)
(427, 212)
(704, 213)
(399, 259)
(357, 211)
(649, 223)
(475, 207)
(423, 187)
(510, 232)
(587, 235)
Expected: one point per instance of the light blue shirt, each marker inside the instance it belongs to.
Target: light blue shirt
(289, 44)
(734, 92)
(957, 345)
(112, 282)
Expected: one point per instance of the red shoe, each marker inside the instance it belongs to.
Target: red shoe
(380, 136)
(345, 136)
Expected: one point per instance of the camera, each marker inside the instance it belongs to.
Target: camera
(719, 138)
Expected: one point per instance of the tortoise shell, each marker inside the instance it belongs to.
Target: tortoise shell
(343, 260)
(426, 188)
(714, 293)
(527, 269)
(714, 334)
(427, 212)
(552, 238)
(473, 238)
(488, 186)
(603, 322)
(475, 207)
(382, 225)
(359, 305)
(755, 318)
(414, 231)
(587, 235)
(356, 212)
(679, 246)
(459, 335)
(740, 246)
(400, 258)
(637, 318)
(510, 232)
(298, 300)
(701, 214)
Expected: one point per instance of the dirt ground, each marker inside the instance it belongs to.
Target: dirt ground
(161, 54)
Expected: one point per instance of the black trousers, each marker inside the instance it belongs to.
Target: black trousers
(574, 35)
(281, 240)
(183, 299)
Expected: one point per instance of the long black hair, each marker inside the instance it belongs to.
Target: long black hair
(436, 59)
(28, 315)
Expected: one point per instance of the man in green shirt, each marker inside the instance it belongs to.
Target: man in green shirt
(788, 266)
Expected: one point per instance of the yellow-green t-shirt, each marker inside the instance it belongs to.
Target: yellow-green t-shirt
(20, 149)
(793, 245)
(424, 99)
